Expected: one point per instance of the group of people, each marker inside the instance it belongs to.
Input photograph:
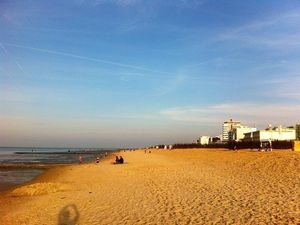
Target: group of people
(119, 160)
(265, 146)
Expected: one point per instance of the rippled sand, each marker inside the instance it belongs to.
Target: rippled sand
(164, 187)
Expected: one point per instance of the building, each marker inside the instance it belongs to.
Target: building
(216, 139)
(276, 133)
(298, 131)
(227, 129)
(204, 140)
(238, 133)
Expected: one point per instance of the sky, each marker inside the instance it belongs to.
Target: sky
(131, 73)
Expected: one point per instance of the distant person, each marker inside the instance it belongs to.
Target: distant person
(270, 145)
(117, 160)
(105, 154)
(97, 160)
(80, 159)
(260, 148)
(121, 160)
(234, 146)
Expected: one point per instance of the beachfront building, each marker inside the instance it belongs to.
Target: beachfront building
(298, 131)
(216, 139)
(204, 140)
(227, 129)
(238, 133)
(277, 133)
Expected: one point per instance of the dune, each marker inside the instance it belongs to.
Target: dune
(164, 187)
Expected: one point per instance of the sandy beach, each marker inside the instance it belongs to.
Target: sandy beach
(164, 187)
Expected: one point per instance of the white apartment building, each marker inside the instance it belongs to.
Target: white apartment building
(229, 126)
(238, 133)
(276, 133)
(204, 140)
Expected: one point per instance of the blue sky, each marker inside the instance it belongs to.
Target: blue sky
(110, 73)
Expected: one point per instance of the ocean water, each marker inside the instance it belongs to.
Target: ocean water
(13, 177)
(20, 165)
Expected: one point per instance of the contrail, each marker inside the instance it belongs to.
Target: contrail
(3, 48)
(7, 53)
(82, 57)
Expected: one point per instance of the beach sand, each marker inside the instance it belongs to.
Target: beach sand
(164, 187)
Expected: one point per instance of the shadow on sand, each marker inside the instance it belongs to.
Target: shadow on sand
(68, 215)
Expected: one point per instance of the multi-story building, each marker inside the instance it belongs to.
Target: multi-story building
(298, 131)
(276, 133)
(227, 128)
(238, 133)
(204, 140)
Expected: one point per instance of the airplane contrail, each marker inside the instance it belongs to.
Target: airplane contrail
(3, 48)
(82, 57)
(9, 55)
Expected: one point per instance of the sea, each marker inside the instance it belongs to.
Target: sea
(21, 165)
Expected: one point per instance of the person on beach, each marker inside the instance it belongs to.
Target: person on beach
(260, 148)
(117, 160)
(234, 145)
(270, 145)
(121, 160)
(97, 160)
(80, 159)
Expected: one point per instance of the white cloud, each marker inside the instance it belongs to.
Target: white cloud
(179, 3)
(283, 87)
(249, 113)
(122, 3)
(190, 3)
(171, 85)
(274, 31)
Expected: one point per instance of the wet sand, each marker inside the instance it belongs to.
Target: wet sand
(164, 187)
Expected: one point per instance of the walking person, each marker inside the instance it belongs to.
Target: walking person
(80, 159)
